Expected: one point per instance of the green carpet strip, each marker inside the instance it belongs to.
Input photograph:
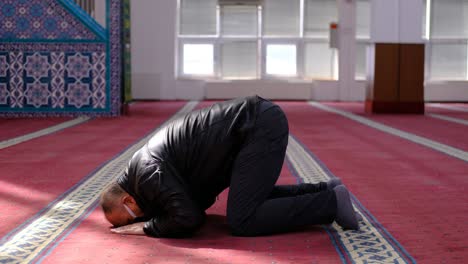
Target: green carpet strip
(43, 132)
(451, 151)
(370, 244)
(29, 242)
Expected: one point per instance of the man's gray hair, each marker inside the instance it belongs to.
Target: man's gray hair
(110, 195)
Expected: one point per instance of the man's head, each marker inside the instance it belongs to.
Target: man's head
(119, 207)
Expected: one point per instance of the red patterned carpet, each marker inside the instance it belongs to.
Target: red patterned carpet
(436, 129)
(414, 195)
(10, 128)
(432, 109)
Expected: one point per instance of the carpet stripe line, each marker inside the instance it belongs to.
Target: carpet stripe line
(29, 242)
(43, 132)
(450, 107)
(369, 244)
(446, 149)
(450, 119)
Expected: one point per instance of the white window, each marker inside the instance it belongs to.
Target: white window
(363, 19)
(449, 18)
(198, 59)
(255, 42)
(448, 61)
(320, 61)
(198, 17)
(317, 61)
(361, 60)
(318, 16)
(281, 18)
(281, 60)
(446, 32)
(362, 37)
(239, 60)
(239, 20)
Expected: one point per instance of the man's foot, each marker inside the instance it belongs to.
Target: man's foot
(333, 183)
(345, 215)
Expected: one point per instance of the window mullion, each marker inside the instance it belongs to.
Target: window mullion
(301, 18)
(216, 45)
(300, 60)
(261, 50)
(466, 42)
(428, 19)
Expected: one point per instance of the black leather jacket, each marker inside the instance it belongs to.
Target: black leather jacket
(177, 175)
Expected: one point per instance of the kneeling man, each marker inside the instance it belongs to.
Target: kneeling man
(240, 144)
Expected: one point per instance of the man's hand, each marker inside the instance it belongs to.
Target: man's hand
(133, 229)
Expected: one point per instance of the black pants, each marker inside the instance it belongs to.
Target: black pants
(255, 205)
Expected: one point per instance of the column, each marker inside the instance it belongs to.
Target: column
(395, 82)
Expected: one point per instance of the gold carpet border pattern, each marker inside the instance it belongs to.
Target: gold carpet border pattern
(368, 245)
(451, 151)
(31, 240)
(17, 140)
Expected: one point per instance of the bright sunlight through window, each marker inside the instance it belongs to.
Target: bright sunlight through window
(198, 59)
(281, 60)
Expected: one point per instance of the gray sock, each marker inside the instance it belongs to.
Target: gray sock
(333, 183)
(345, 215)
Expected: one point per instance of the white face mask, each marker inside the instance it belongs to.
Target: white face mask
(130, 211)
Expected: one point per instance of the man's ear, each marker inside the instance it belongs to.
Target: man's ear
(128, 199)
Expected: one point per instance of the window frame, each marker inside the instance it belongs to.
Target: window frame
(180, 68)
(366, 42)
(234, 40)
(429, 41)
(282, 41)
(448, 41)
(262, 41)
(335, 58)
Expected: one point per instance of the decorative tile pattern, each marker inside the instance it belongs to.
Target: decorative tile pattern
(58, 79)
(39, 19)
(39, 235)
(37, 66)
(55, 80)
(371, 244)
(78, 94)
(78, 66)
(37, 94)
(4, 94)
(16, 79)
(77, 51)
(116, 54)
(3, 65)
(99, 80)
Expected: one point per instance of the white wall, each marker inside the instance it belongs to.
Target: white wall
(153, 49)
